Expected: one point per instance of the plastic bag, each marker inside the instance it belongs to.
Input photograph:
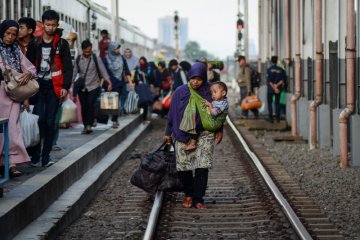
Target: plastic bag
(68, 112)
(109, 103)
(29, 128)
(131, 103)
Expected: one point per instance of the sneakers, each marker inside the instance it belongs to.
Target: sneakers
(115, 125)
(38, 164)
(56, 148)
(49, 164)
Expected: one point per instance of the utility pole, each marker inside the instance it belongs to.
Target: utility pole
(116, 20)
(176, 31)
(246, 40)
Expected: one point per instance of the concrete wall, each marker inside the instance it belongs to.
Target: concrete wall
(334, 29)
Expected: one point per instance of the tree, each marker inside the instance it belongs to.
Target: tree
(194, 52)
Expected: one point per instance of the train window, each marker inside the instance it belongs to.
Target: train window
(8, 9)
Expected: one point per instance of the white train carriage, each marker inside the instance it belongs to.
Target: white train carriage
(86, 17)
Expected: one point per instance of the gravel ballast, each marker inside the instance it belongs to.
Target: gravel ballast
(335, 190)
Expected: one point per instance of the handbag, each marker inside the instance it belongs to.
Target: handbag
(251, 102)
(109, 103)
(157, 171)
(145, 95)
(166, 102)
(80, 82)
(13, 89)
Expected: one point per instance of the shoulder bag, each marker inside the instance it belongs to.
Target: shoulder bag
(13, 89)
(80, 82)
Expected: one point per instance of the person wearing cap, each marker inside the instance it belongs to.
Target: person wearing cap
(212, 75)
(200, 160)
(12, 57)
(120, 76)
(244, 82)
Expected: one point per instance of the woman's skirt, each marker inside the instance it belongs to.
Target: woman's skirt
(201, 157)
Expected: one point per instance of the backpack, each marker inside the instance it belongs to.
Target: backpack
(96, 64)
(255, 78)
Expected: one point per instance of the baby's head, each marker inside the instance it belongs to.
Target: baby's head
(218, 91)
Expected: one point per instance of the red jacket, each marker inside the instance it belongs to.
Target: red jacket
(60, 61)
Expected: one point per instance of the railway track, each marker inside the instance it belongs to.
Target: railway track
(242, 204)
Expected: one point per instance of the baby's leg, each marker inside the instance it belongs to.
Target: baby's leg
(191, 146)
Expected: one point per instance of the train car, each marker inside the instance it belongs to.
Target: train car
(86, 17)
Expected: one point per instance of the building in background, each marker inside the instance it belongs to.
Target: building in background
(86, 17)
(167, 35)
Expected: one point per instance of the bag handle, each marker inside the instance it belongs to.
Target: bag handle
(163, 145)
(87, 68)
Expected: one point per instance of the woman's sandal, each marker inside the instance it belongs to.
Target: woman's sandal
(187, 202)
(13, 172)
(200, 206)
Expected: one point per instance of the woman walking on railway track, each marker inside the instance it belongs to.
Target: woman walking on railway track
(201, 159)
(12, 57)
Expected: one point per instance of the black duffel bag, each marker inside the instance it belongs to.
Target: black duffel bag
(154, 171)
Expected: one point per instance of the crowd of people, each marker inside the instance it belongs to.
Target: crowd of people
(195, 117)
(47, 58)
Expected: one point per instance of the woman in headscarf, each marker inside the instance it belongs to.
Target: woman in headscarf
(120, 75)
(143, 74)
(201, 159)
(12, 57)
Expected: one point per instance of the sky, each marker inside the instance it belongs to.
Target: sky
(212, 23)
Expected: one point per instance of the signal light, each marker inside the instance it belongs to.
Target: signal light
(240, 24)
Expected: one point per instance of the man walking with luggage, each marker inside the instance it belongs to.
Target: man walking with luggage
(93, 74)
(244, 81)
(51, 56)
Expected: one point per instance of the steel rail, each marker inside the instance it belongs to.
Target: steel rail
(289, 212)
(154, 214)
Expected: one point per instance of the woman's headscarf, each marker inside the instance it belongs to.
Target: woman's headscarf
(115, 62)
(10, 53)
(181, 99)
(132, 61)
(199, 69)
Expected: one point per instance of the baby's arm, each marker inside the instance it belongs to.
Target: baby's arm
(214, 111)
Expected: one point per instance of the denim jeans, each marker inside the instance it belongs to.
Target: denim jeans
(277, 105)
(46, 108)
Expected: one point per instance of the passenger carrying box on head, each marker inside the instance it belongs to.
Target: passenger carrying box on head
(109, 103)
